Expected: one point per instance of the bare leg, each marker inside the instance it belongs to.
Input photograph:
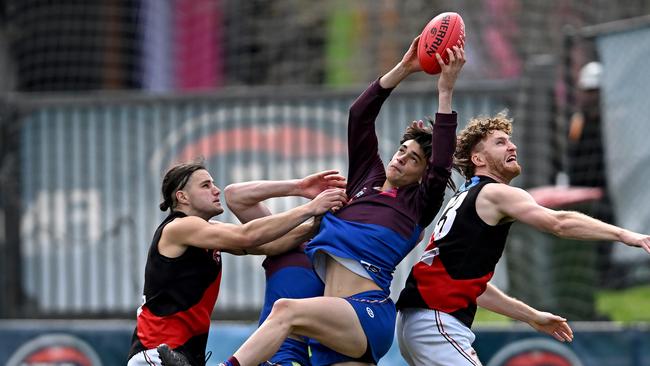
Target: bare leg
(330, 320)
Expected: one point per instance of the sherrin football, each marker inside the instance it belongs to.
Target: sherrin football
(442, 32)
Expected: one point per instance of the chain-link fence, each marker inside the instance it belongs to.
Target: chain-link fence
(73, 245)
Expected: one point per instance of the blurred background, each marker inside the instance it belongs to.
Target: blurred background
(98, 98)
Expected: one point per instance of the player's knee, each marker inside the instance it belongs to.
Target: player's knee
(283, 312)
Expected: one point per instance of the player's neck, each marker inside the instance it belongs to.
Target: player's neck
(387, 186)
(498, 177)
(191, 212)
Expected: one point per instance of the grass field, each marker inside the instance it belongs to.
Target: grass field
(629, 305)
(626, 306)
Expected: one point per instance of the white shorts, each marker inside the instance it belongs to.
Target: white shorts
(145, 358)
(433, 338)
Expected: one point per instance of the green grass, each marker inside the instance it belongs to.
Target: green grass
(629, 305)
(486, 316)
(626, 306)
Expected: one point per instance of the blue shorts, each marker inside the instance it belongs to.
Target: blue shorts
(292, 353)
(290, 283)
(377, 314)
(290, 276)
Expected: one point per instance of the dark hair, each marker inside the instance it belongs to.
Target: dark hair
(472, 135)
(175, 179)
(422, 135)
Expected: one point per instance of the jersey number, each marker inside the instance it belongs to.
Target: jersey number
(447, 219)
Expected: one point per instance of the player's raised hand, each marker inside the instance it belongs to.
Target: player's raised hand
(450, 70)
(313, 184)
(329, 199)
(553, 325)
(410, 60)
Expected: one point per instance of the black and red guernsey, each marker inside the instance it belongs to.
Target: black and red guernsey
(459, 259)
(179, 296)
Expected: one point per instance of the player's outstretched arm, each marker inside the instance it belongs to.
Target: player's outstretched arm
(286, 242)
(405, 67)
(496, 301)
(194, 231)
(448, 77)
(245, 199)
(502, 201)
(410, 64)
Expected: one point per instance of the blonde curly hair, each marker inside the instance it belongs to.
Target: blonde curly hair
(477, 129)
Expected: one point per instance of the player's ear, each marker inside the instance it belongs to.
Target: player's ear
(477, 159)
(181, 197)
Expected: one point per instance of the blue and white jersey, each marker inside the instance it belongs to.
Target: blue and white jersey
(376, 248)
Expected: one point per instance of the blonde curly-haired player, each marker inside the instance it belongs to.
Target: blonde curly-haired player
(438, 304)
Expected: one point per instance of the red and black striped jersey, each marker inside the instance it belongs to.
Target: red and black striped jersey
(459, 259)
(179, 296)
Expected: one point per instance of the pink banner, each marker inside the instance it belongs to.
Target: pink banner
(197, 36)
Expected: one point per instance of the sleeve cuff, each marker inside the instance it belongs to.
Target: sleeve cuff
(377, 89)
(447, 118)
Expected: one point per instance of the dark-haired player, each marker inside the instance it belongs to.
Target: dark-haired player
(358, 247)
(183, 269)
(289, 272)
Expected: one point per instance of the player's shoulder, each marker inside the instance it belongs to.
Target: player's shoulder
(189, 220)
(180, 226)
(498, 191)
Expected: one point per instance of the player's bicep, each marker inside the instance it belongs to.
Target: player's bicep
(520, 205)
(196, 232)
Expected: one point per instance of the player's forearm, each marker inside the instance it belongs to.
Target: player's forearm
(395, 76)
(444, 101)
(250, 193)
(366, 107)
(496, 301)
(266, 229)
(292, 239)
(362, 138)
(443, 140)
(575, 225)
